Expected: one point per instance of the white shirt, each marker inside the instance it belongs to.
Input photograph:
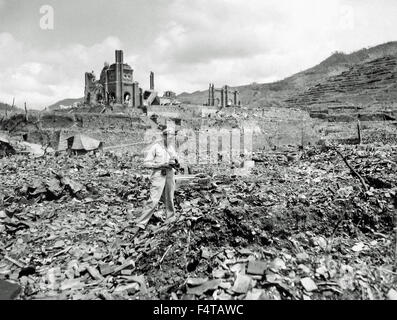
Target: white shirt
(157, 154)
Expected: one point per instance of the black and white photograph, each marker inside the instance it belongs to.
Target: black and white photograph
(224, 151)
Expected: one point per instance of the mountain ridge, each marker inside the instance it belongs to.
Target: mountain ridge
(281, 93)
(277, 93)
(65, 102)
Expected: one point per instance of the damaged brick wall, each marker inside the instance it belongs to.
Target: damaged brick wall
(50, 128)
(270, 127)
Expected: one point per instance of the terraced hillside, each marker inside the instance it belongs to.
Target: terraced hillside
(371, 71)
(366, 84)
(366, 91)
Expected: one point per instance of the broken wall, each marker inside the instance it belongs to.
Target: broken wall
(183, 111)
(269, 127)
(112, 129)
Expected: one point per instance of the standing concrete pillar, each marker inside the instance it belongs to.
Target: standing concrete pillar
(140, 97)
(151, 81)
(209, 94)
(213, 95)
(106, 87)
(135, 95)
(119, 76)
(235, 98)
(211, 101)
(222, 97)
(226, 95)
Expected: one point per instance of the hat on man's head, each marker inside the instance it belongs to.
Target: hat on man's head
(166, 130)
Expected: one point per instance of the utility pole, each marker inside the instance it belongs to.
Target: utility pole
(395, 232)
(359, 131)
(26, 113)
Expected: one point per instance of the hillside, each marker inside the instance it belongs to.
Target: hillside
(281, 93)
(5, 106)
(64, 102)
(369, 83)
(300, 88)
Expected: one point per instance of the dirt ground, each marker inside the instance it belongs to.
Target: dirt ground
(303, 228)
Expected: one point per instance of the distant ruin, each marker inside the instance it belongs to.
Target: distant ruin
(116, 86)
(224, 99)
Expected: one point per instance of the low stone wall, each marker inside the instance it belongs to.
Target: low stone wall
(267, 128)
(117, 141)
(183, 111)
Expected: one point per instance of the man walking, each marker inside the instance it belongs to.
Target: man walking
(161, 158)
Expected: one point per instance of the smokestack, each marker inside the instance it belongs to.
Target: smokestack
(119, 76)
(119, 56)
(151, 81)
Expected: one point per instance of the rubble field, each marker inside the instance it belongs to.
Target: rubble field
(295, 228)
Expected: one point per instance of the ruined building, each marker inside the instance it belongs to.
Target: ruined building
(169, 98)
(169, 94)
(116, 85)
(225, 97)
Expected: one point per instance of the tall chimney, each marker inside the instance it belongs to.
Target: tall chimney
(119, 56)
(151, 80)
(119, 76)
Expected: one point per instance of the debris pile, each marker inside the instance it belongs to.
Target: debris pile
(291, 230)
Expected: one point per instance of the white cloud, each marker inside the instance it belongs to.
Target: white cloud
(238, 42)
(41, 77)
(191, 43)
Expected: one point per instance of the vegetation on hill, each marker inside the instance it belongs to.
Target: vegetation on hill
(280, 93)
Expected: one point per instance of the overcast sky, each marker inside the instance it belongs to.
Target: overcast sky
(187, 43)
